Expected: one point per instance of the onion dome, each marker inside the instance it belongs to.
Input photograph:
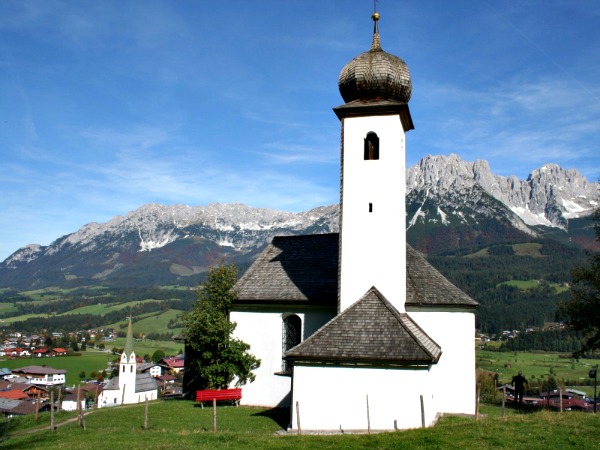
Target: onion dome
(375, 75)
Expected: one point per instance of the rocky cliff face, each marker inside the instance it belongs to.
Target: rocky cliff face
(549, 196)
(451, 204)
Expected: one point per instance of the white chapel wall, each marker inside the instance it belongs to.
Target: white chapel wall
(454, 374)
(394, 398)
(263, 332)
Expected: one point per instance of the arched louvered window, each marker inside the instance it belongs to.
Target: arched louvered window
(292, 333)
(371, 146)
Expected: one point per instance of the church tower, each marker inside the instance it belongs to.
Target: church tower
(376, 88)
(128, 365)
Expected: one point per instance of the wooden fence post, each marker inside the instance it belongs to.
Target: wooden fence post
(477, 401)
(78, 409)
(368, 416)
(81, 411)
(37, 406)
(560, 400)
(422, 411)
(214, 415)
(52, 411)
(58, 399)
(123, 396)
(503, 400)
(146, 415)
(298, 418)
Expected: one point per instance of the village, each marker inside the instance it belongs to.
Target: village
(36, 387)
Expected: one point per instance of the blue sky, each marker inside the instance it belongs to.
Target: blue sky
(108, 105)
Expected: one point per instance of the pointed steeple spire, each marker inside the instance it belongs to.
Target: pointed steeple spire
(128, 350)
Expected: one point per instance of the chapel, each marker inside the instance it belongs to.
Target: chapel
(130, 386)
(356, 331)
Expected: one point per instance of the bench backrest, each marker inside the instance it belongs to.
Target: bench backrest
(219, 394)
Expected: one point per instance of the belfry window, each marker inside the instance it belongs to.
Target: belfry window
(292, 329)
(371, 146)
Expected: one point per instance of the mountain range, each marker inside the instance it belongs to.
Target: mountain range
(452, 204)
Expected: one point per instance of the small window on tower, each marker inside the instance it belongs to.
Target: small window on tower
(370, 207)
(371, 146)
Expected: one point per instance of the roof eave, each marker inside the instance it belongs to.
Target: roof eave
(360, 108)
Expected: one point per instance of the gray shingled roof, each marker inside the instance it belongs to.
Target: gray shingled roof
(371, 331)
(293, 269)
(143, 383)
(39, 370)
(304, 270)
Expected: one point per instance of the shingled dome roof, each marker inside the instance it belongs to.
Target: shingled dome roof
(375, 75)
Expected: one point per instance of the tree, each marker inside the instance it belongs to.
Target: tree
(583, 308)
(158, 355)
(214, 358)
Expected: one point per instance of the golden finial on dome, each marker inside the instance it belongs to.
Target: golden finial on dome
(376, 45)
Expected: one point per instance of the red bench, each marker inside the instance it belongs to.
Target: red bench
(208, 395)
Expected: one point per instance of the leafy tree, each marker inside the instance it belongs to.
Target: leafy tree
(583, 309)
(214, 358)
(158, 355)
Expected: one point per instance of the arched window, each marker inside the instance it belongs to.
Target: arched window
(371, 146)
(292, 333)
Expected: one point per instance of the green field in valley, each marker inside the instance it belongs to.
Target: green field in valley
(90, 360)
(531, 284)
(535, 365)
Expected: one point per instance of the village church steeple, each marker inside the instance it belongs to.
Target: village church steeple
(128, 364)
(376, 88)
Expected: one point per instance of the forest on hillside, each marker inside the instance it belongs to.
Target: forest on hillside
(484, 273)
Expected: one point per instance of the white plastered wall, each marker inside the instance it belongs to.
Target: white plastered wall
(454, 375)
(263, 332)
(334, 398)
(373, 243)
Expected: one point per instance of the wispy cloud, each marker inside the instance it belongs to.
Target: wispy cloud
(517, 123)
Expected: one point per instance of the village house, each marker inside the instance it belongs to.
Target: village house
(173, 365)
(41, 375)
(356, 330)
(154, 369)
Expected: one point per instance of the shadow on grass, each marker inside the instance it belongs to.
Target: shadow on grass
(281, 416)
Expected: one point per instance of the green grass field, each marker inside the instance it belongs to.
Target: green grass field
(534, 365)
(6, 308)
(101, 309)
(178, 424)
(530, 284)
(90, 360)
